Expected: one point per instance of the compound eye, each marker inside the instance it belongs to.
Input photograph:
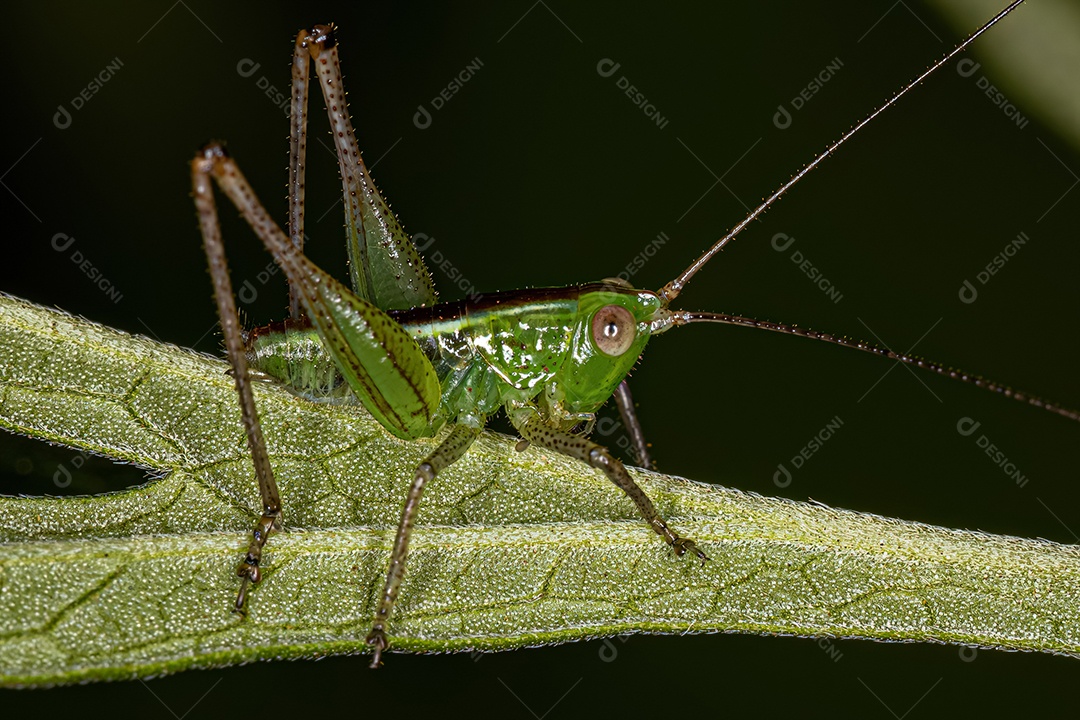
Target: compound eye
(613, 330)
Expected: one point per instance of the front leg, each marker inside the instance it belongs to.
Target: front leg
(448, 452)
(538, 432)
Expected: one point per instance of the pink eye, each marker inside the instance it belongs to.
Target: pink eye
(613, 330)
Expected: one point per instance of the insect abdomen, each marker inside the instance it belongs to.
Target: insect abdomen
(291, 353)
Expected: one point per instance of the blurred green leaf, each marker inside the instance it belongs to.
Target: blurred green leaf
(1033, 62)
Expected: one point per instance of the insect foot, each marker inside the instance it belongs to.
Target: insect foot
(679, 544)
(684, 545)
(248, 570)
(377, 639)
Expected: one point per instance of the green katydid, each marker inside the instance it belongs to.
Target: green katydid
(550, 358)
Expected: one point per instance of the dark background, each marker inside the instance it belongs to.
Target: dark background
(540, 172)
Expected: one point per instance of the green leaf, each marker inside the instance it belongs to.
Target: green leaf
(512, 549)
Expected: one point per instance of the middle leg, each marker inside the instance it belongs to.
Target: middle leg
(538, 432)
(448, 452)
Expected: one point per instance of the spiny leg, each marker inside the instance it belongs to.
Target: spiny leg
(385, 266)
(448, 452)
(297, 155)
(230, 328)
(538, 432)
(625, 401)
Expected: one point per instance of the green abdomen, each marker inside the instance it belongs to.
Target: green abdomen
(291, 353)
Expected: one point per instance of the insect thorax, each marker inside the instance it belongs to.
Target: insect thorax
(526, 346)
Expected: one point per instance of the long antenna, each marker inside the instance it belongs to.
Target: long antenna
(685, 317)
(670, 291)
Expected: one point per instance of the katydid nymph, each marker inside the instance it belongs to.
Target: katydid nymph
(550, 358)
